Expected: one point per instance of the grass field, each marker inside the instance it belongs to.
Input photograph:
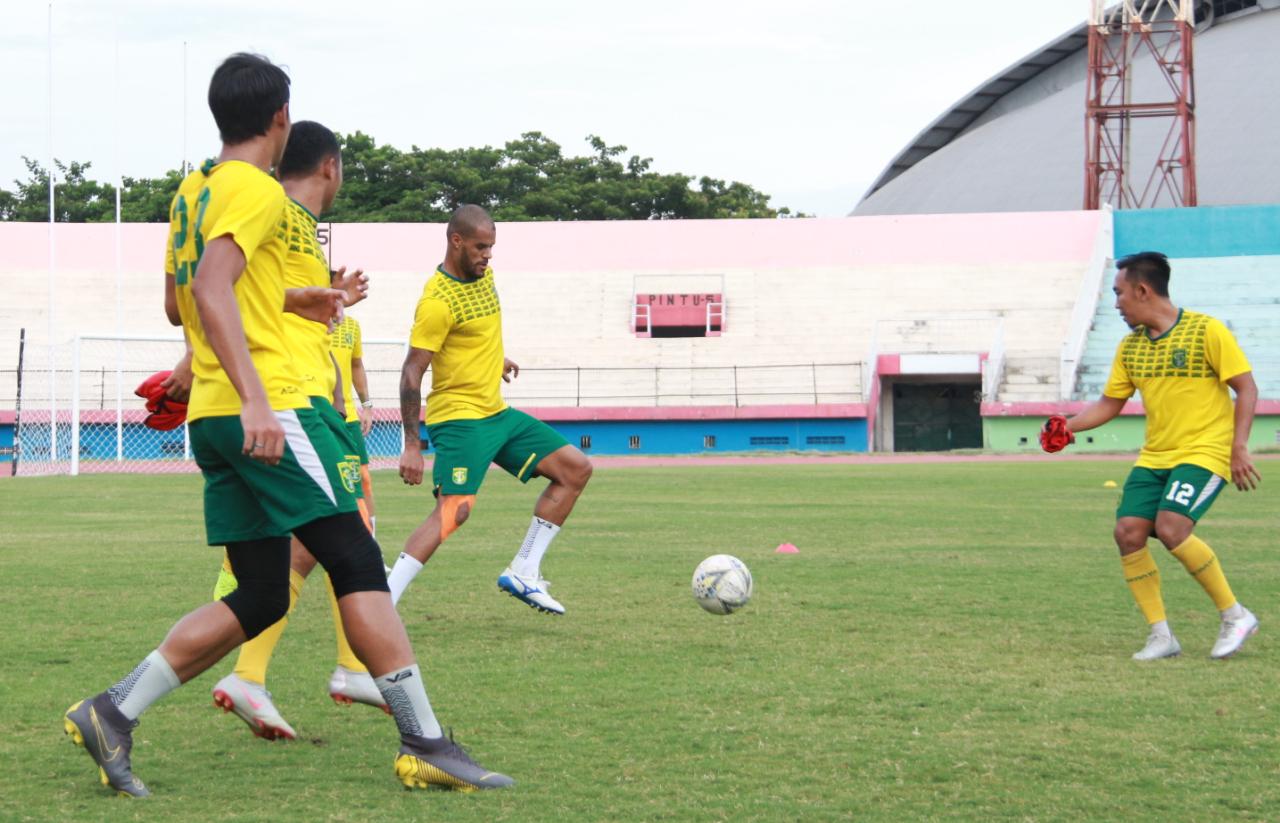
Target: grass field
(951, 643)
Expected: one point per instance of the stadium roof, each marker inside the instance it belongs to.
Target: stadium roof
(1016, 143)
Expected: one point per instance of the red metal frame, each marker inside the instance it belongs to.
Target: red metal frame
(1117, 38)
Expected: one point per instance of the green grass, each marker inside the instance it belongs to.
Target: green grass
(951, 643)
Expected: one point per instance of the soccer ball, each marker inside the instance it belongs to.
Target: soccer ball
(721, 584)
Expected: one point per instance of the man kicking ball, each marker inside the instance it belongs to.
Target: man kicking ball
(457, 331)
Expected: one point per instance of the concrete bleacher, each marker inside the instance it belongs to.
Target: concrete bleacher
(803, 294)
(1243, 292)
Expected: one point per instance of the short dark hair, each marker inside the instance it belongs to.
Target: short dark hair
(310, 144)
(1151, 267)
(245, 93)
(466, 219)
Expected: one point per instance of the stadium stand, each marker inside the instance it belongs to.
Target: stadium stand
(824, 324)
(1243, 292)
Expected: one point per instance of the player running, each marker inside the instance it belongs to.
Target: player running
(348, 352)
(270, 465)
(457, 331)
(1183, 363)
(311, 173)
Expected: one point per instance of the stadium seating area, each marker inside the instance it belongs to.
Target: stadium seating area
(796, 293)
(1243, 292)
(815, 318)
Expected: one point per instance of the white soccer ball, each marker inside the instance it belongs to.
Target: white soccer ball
(722, 584)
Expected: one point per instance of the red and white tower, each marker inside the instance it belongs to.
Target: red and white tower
(1120, 37)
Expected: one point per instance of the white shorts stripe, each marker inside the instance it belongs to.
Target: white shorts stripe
(1209, 488)
(304, 452)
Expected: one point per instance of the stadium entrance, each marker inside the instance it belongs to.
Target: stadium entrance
(936, 416)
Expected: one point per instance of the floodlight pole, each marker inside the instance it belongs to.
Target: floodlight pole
(1118, 36)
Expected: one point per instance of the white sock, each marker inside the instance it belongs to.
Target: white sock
(1161, 628)
(150, 681)
(402, 574)
(406, 695)
(528, 561)
(1233, 612)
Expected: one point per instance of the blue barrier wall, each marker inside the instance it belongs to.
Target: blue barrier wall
(689, 437)
(98, 441)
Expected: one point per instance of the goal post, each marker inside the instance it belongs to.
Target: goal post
(79, 413)
(107, 427)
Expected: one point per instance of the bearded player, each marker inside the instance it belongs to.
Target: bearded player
(457, 331)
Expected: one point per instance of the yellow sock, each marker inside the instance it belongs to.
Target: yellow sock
(226, 583)
(1143, 577)
(1203, 565)
(346, 657)
(255, 654)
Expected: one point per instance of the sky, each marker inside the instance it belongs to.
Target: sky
(805, 100)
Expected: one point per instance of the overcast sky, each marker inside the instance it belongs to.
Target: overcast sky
(806, 100)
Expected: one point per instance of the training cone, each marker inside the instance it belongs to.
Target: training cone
(1110, 484)
(786, 548)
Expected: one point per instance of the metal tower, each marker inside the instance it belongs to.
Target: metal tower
(1119, 37)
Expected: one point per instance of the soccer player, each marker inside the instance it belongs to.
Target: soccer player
(270, 465)
(1183, 363)
(311, 173)
(457, 331)
(348, 353)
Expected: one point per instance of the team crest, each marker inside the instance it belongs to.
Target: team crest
(459, 476)
(349, 471)
(1179, 358)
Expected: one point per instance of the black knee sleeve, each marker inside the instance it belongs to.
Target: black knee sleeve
(347, 551)
(261, 597)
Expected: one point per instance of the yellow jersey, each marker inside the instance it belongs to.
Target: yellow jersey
(305, 265)
(237, 200)
(461, 322)
(344, 344)
(1183, 376)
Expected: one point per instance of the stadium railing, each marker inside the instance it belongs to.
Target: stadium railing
(78, 413)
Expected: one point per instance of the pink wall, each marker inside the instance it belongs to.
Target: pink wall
(676, 245)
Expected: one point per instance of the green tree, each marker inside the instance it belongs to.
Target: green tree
(529, 178)
(146, 200)
(76, 198)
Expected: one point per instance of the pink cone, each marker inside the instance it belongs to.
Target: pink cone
(786, 548)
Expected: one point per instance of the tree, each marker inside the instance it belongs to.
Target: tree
(529, 178)
(77, 199)
(146, 200)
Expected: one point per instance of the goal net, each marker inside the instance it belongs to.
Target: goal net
(76, 411)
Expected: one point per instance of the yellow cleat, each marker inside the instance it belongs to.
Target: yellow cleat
(424, 762)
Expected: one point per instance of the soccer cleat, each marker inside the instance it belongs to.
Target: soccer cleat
(97, 726)
(529, 590)
(1233, 634)
(252, 703)
(1159, 646)
(347, 687)
(438, 761)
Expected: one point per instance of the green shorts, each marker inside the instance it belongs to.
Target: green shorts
(1186, 489)
(465, 448)
(350, 450)
(356, 432)
(245, 499)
